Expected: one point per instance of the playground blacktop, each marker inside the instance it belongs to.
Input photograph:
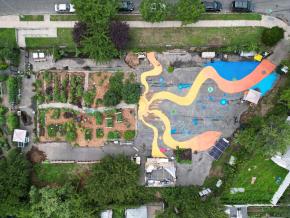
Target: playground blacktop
(212, 110)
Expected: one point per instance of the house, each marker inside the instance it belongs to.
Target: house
(160, 172)
(20, 137)
(144, 211)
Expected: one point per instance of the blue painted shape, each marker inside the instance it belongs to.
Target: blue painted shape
(211, 98)
(173, 131)
(194, 121)
(223, 101)
(184, 85)
(234, 70)
(267, 83)
(161, 79)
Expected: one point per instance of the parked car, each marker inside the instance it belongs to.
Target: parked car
(242, 6)
(64, 8)
(126, 6)
(214, 6)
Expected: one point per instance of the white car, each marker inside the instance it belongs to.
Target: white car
(64, 8)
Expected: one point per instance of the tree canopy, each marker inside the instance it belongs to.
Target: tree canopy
(119, 34)
(154, 10)
(188, 11)
(14, 182)
(96, 15)
(113, 181)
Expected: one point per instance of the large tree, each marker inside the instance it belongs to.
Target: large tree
(113, 181)
(61, 202)
(14, 182)
(96, 15)
(80, 31)
(119, 34)
(154, 10)
(188, 11)
(97, 12)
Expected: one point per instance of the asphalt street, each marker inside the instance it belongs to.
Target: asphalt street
(277, 8)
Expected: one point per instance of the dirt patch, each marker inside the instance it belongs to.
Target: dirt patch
(35, 155)
(100, 81)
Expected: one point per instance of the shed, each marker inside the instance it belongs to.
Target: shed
(19, 136)
(208, 54)
(140, 212)
(252, 96)
(107, 214)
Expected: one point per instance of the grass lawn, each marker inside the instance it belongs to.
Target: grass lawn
(236, 37)
(59, 173)
(205, 16)
(31, 18)
(266, 173)
(7, 38)
(234, 16)
(68, 17)
(64, 39)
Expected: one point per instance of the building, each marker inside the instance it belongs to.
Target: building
(237, 212)
(160, 172)
(20, 137)
(145, 211)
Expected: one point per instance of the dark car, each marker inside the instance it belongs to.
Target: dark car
(214, 6)
(242, 6)
(126, 6)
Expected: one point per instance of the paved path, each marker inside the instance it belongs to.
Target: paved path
(82, 110)
(48, 28)
(57, 151)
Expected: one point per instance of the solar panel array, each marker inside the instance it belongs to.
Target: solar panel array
(219, 148)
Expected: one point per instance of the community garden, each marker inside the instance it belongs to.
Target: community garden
(88, 116)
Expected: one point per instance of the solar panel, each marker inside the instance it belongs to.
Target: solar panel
(218, 149)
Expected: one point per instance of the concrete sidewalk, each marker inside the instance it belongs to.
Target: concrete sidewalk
(48, 28)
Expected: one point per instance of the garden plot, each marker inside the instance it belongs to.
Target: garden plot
(82, 129)
(60, 87)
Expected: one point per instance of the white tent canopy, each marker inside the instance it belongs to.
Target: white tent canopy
(253, 96)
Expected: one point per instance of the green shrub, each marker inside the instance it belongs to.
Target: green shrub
(3, 66)
(47, 76)
(270, 37)
(89, 97)
(170, 69)
(112, 135)
(112, 98)
(131, 93)
(52, 130)
(12, 84)
(3, 77)
(56, 113)
(99, 101)
(3, 111)
(12, 122)
(88, 134)
(99, 118)
(99, 133)
(129, 135)
(70, 130)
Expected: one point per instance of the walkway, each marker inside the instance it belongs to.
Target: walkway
(60, 151)
(48, 28)
(82, 110)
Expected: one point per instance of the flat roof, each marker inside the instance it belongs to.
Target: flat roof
(19, 135)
